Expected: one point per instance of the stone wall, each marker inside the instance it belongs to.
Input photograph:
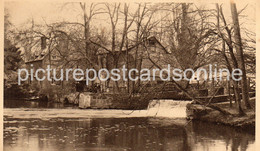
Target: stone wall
(90, 100)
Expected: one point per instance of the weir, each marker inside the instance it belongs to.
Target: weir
(167, 108)
(156, 108)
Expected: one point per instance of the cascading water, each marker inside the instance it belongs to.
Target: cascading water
(167, 108)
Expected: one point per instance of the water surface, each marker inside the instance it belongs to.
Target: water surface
(30, 132)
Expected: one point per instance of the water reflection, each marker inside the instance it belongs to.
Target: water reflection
(230, 138)
(121, 134)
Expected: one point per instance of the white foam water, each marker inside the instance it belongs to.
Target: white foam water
(167, 108)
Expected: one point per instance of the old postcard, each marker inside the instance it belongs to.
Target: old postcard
(130, 76)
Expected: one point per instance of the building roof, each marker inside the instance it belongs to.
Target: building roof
(158, 42)
(152, 38)
(38, 58)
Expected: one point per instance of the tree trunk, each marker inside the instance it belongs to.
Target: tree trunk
(235, 83)
(238, 46)
(229, 94)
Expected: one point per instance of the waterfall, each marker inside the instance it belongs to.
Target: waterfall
(167, 108)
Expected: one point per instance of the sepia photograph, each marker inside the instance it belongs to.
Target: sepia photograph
(129, 76)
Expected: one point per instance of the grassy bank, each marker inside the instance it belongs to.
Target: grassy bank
(202, 113)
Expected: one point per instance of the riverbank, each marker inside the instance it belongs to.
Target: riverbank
(156, 108)
(202, 113)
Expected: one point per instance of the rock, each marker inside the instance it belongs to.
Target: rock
(73, 98)
(195, 111)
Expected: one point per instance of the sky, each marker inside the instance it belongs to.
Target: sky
(23, 12)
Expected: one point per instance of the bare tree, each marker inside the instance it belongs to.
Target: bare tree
(239, 48)
(227, 39)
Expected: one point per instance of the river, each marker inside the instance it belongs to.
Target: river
(34, 126)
